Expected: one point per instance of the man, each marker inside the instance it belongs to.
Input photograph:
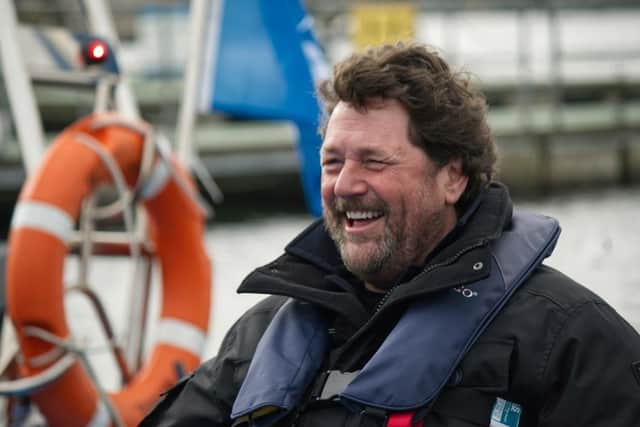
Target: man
(420, 298)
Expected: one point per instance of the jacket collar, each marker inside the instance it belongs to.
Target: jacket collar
(484, 220)
(311, 268)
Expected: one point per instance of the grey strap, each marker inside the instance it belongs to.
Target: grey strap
(336, 382)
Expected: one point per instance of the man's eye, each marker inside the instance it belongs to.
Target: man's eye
(331, 163)
(374, 163)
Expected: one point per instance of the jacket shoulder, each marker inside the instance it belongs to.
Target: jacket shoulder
(548, 348)
(207, 395)
(240, 342)
(557, 288)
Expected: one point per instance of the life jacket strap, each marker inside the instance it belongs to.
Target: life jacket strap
(402, 419)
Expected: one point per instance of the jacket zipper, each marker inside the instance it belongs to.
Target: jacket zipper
(429, 269)
(381, 304)
(387, 295)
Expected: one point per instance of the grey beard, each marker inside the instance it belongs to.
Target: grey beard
(378, 269)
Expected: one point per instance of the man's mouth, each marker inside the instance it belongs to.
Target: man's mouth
(361, 218)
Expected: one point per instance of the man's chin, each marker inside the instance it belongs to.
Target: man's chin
(360, 250)
(361, 258)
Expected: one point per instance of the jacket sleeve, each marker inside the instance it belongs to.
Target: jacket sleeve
(191, 403)
(206, 397)
(593, 371)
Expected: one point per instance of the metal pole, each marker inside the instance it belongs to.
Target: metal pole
(192, 74)
(555, 56)
(556, 95)
(26, 115)
(451, 35)
(101, 23)
(524, 72)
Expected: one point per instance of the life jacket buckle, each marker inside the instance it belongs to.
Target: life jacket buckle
(332, 383)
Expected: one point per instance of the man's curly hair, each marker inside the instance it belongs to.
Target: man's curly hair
(447, 118)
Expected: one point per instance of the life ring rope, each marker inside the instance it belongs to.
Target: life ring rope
(155, 182)
(121, 186)
(164, 150)
(28, 386)
(101, 416)
(71, 352)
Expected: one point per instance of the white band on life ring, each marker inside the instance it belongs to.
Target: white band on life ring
(156, 181)
(43, 217)
(100, 416)
(181, 334)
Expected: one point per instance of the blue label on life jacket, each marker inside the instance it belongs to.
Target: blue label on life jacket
(505, 414)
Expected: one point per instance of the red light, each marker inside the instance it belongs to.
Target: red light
(96, 51)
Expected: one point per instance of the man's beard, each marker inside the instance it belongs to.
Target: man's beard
(375, 266)
(407, 238)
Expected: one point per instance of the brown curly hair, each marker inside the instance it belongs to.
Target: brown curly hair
(447, 118)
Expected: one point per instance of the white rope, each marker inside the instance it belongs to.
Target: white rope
(74, 351)
(29, 385)
(155, 182)
(121, 187)
(164, 149)
(100, 416)
(148, 146)
(125, 199)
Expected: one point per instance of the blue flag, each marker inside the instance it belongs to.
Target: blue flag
(266, 63)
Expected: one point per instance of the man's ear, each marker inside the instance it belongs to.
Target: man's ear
(455, 181)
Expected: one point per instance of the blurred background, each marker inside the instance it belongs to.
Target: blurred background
(562, 79)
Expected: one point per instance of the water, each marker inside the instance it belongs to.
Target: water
(599, 247)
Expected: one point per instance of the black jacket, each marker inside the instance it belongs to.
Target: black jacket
(556, 349)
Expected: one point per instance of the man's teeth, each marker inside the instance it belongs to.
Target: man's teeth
(359, 215)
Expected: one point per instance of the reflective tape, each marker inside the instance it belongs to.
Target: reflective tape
(156, 181)
(100, 416)
(43, 217)
(181, 334)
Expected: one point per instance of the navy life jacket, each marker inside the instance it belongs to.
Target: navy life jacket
(290, 353)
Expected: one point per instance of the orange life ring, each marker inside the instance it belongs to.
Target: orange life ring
(48, 206)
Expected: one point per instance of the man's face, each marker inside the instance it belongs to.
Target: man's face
(386, 204)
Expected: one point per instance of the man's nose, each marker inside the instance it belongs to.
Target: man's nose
(351, 180)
